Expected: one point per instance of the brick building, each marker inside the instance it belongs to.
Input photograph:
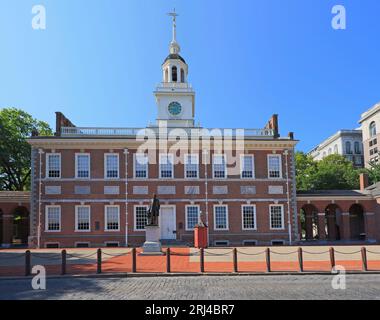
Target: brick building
(93, 186)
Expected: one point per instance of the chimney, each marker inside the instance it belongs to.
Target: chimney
(363, 178)
(273, 124)
(61, 121)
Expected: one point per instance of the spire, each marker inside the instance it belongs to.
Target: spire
(174, 46)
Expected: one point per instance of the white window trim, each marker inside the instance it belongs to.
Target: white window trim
(254, 217)
(184, 165)
(159, 165)
(105, 166)
(134, 217)
(280, 158)
(47, 165)
(282, 216)
(241, 166)
(227, 217)
(52, 243)
(225, 166)
(76, 219)
(134, 166)
(105, 218)
(199, 215)
(89, 166)
(113, 242)
(46, 219)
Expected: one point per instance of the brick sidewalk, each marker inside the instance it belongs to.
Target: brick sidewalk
(186, 260)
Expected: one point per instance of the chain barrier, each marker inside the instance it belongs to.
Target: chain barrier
(48, 256)
(181, 254)
(373, 252)
(347, 253)
(284, 253)
(251, 254)
(318, 252)
(71, 255)
(116, 255)
(218, 254)
(13, 256)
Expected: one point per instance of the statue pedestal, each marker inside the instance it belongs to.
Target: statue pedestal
(152, 245)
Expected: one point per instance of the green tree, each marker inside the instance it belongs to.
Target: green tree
(305, 170)
(373, 172)
(332, 172)
(15, 152)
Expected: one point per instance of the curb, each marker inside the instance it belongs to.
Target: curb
(175, 275)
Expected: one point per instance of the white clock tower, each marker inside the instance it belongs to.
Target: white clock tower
(174, 96)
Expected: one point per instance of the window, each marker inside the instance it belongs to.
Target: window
(276, 216)
(219, 166)
(372, 129)
(348, 147)
(192, 217)
(336, 149)
(53, 165)
(112, 219)
(141, 217)
(191, 165)
(329, 151)
(111, 166)
(182, 75)
(166, 166)
(221, 243)
(174, 74)
(82, 165)
(82, 244)
(274, 166)
(141, 165)
(246, 167)
(82, 218)
(249, 217)
(357, 147)
(53, 218)
(220, 217)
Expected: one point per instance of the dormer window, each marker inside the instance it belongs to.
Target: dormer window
(174, 74)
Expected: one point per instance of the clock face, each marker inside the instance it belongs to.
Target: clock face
(175, 108)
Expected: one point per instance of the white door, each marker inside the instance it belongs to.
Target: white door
(167, 222)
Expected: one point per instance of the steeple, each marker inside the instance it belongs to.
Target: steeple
(174, 46)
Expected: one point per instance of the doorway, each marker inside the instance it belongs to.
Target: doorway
(168, 223)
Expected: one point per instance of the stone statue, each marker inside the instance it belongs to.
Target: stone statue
(154, 212)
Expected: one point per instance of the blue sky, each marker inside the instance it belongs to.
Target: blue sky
(98, 61)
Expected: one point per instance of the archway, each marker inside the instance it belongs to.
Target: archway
(20, 225)
(333, 222)
(309, 222)
(357, 226)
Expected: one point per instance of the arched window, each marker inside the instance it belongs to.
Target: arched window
(166, 79)
(357, 147)
(182, 75)
(324, 154)
(174, 74)
(329, 152)
(336, 149)
(348, 147)
(372, 129)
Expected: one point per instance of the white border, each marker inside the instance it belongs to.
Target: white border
(282, 216)
(225, 166)
(278, 156)
(105, 166)
(254, 217)
(185, 163)
(89, 165)
(134, 166)
(172, 163)
(227, 217)
(105, 218)
(46, 218)
(47, 165)
(76, 218)
(199, 211)
(134, 217)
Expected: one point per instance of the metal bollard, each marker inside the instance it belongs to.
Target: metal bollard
(168, 260)
(364, 259)
(134, 262)
(63, 267)
(300, 259)
(332, 257)
(202, 260)
(235, 260)
(27, 263)
(99, 264)
(268, 259)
